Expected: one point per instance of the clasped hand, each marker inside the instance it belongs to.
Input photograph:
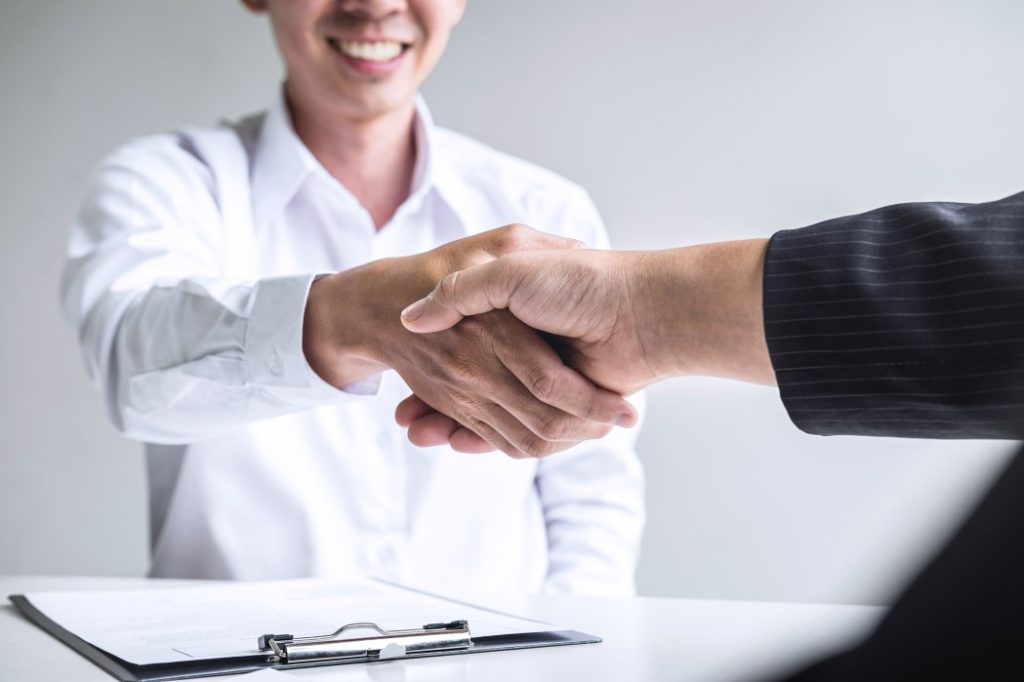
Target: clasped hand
(626, 319)
(486, 382)
(584, 298)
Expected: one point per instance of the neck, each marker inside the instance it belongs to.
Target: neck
(374, 158)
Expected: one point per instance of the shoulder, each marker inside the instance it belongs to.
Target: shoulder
(527, 192)
(161, 163)
(189, 157)
(168, 178)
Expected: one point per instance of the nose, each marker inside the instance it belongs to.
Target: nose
(372, 10)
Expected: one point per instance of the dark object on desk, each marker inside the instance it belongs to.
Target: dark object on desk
(962, 617)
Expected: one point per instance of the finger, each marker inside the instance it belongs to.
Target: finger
(543, 373)
(532, 427)
(427, 427)
(438, 429)
(520, 441)
(497, 427)
(472, 291)
(527, 422)
(464, 440)
(412, 409)
(432, 429)
(540, 426)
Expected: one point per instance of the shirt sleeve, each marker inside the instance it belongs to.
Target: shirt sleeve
(903, 321)
(593, 494)
(180, 351)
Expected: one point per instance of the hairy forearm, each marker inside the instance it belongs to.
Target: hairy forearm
(699, 310)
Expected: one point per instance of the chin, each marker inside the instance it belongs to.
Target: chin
(365, 106)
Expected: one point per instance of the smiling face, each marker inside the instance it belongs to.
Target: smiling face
(360, 58)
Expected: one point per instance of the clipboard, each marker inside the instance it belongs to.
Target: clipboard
(360, 642)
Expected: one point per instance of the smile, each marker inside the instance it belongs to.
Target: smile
(369, 51)
(382, 51)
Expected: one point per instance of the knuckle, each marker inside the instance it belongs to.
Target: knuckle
(599, 410)
(487, 433)
(463, 373)
(518, 230)
(536, 446)
(447, 287)
(474, 326)
(514, 234)
(557, 427)
(543, 384)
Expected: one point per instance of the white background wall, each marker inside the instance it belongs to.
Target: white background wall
(687, 120)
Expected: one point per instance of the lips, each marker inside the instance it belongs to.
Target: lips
(371, 51)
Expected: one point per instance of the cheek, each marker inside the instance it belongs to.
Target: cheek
(433, 48)
(295, 35)
(437, 21)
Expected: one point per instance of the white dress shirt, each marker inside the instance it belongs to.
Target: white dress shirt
(187, 275)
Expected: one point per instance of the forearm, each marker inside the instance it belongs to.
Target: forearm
(905, 321)
(699, 310)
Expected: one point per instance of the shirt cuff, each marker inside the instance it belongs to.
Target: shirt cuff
(273, 345)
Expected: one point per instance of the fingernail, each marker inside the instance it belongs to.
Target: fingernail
(625, 420)
(414, 312)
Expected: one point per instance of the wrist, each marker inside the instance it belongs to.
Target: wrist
(336, 329)
(703, 309)
(353, 323)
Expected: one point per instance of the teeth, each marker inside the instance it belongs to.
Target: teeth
(372, 52)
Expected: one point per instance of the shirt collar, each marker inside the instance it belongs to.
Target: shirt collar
(282, 164)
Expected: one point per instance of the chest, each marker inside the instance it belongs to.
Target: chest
(322, 233)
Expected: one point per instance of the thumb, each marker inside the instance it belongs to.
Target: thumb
(473, 291)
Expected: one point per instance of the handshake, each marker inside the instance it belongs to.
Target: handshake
(528, 342)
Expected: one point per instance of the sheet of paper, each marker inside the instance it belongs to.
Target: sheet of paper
(225, 619)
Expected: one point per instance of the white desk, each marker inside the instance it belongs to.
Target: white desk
(644, 639)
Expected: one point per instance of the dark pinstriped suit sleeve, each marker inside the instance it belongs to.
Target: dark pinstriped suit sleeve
(904, 321)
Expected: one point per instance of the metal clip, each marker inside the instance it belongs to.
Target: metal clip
(384, 645)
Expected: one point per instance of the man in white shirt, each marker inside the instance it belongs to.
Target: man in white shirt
(237, 295)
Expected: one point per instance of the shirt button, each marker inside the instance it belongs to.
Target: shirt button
(274, 363)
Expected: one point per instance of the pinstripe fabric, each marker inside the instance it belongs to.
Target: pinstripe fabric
(903, 321)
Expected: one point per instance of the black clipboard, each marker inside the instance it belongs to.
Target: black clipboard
(287, 652)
